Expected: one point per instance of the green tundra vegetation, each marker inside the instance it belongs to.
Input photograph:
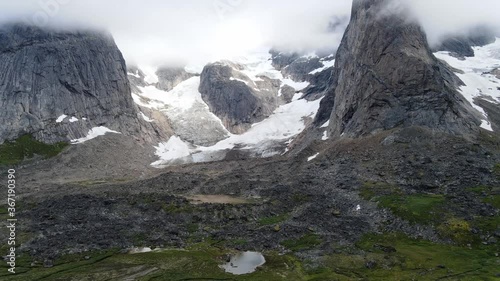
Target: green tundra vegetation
(382, 256)
(27, 147)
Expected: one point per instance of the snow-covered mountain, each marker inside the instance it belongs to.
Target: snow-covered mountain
(480, 74)
(201, 135)
(291, 85)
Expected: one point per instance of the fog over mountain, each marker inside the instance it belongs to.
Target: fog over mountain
(158, 32)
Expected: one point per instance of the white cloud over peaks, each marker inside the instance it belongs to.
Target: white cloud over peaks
(442, 17)
(172, 31)
(156, 32)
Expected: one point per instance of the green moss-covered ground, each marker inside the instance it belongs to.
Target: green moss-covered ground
(389, 256)
(397, 257)
(308, 241)
(26, 147)
(273, 220)
(198, 262)
(375, 257)
(437, 210)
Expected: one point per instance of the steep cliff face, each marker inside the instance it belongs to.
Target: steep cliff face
(385, 76)
(46, 74)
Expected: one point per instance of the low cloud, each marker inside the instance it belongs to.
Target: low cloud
(443, 17)
(159, 32)
(170, 32)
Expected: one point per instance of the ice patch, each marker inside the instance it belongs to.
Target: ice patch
(298, 86)
(258, 64)
(239, 80)
(194, 68)
(94, 133)
(326, 65)
(312, 157)
(61, 118)
(486, 125)
(327, 123)
(73, 119)
(285, 123)
(183, 96)
(174, 149)
(325, 136)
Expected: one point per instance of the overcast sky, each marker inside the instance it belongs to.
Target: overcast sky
(168, 31)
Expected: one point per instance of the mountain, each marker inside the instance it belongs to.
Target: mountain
(371, 92)
(230, 109)
(392, 168)
(235, 98)
(60, 85)
(460, 46)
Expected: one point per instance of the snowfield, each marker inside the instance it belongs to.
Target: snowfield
(285, 123)
(192, 119)
(478, 81)
(174, 149)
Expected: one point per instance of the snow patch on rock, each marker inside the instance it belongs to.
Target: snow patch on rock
(94, 133)
(174, 149)
(61, 118)
(312, 157)
(326, 65)
(478, 82)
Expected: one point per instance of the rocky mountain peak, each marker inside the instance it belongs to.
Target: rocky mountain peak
(370, 90)
(58, 85)
(237, 99)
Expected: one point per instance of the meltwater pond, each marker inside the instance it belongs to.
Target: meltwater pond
(244, 263)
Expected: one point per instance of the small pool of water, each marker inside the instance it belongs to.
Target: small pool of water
(244, 263)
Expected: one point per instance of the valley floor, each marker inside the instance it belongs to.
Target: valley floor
(402, 205)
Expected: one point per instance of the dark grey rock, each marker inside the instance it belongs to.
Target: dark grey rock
(495, 72)
(235, 99)
(299, 69)
(492, 109)
(295, 66)
(47, 73)
(136, 78)
(287, 92)
(169, 77)
(320, 84)
(372, 92)
(281, 60)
